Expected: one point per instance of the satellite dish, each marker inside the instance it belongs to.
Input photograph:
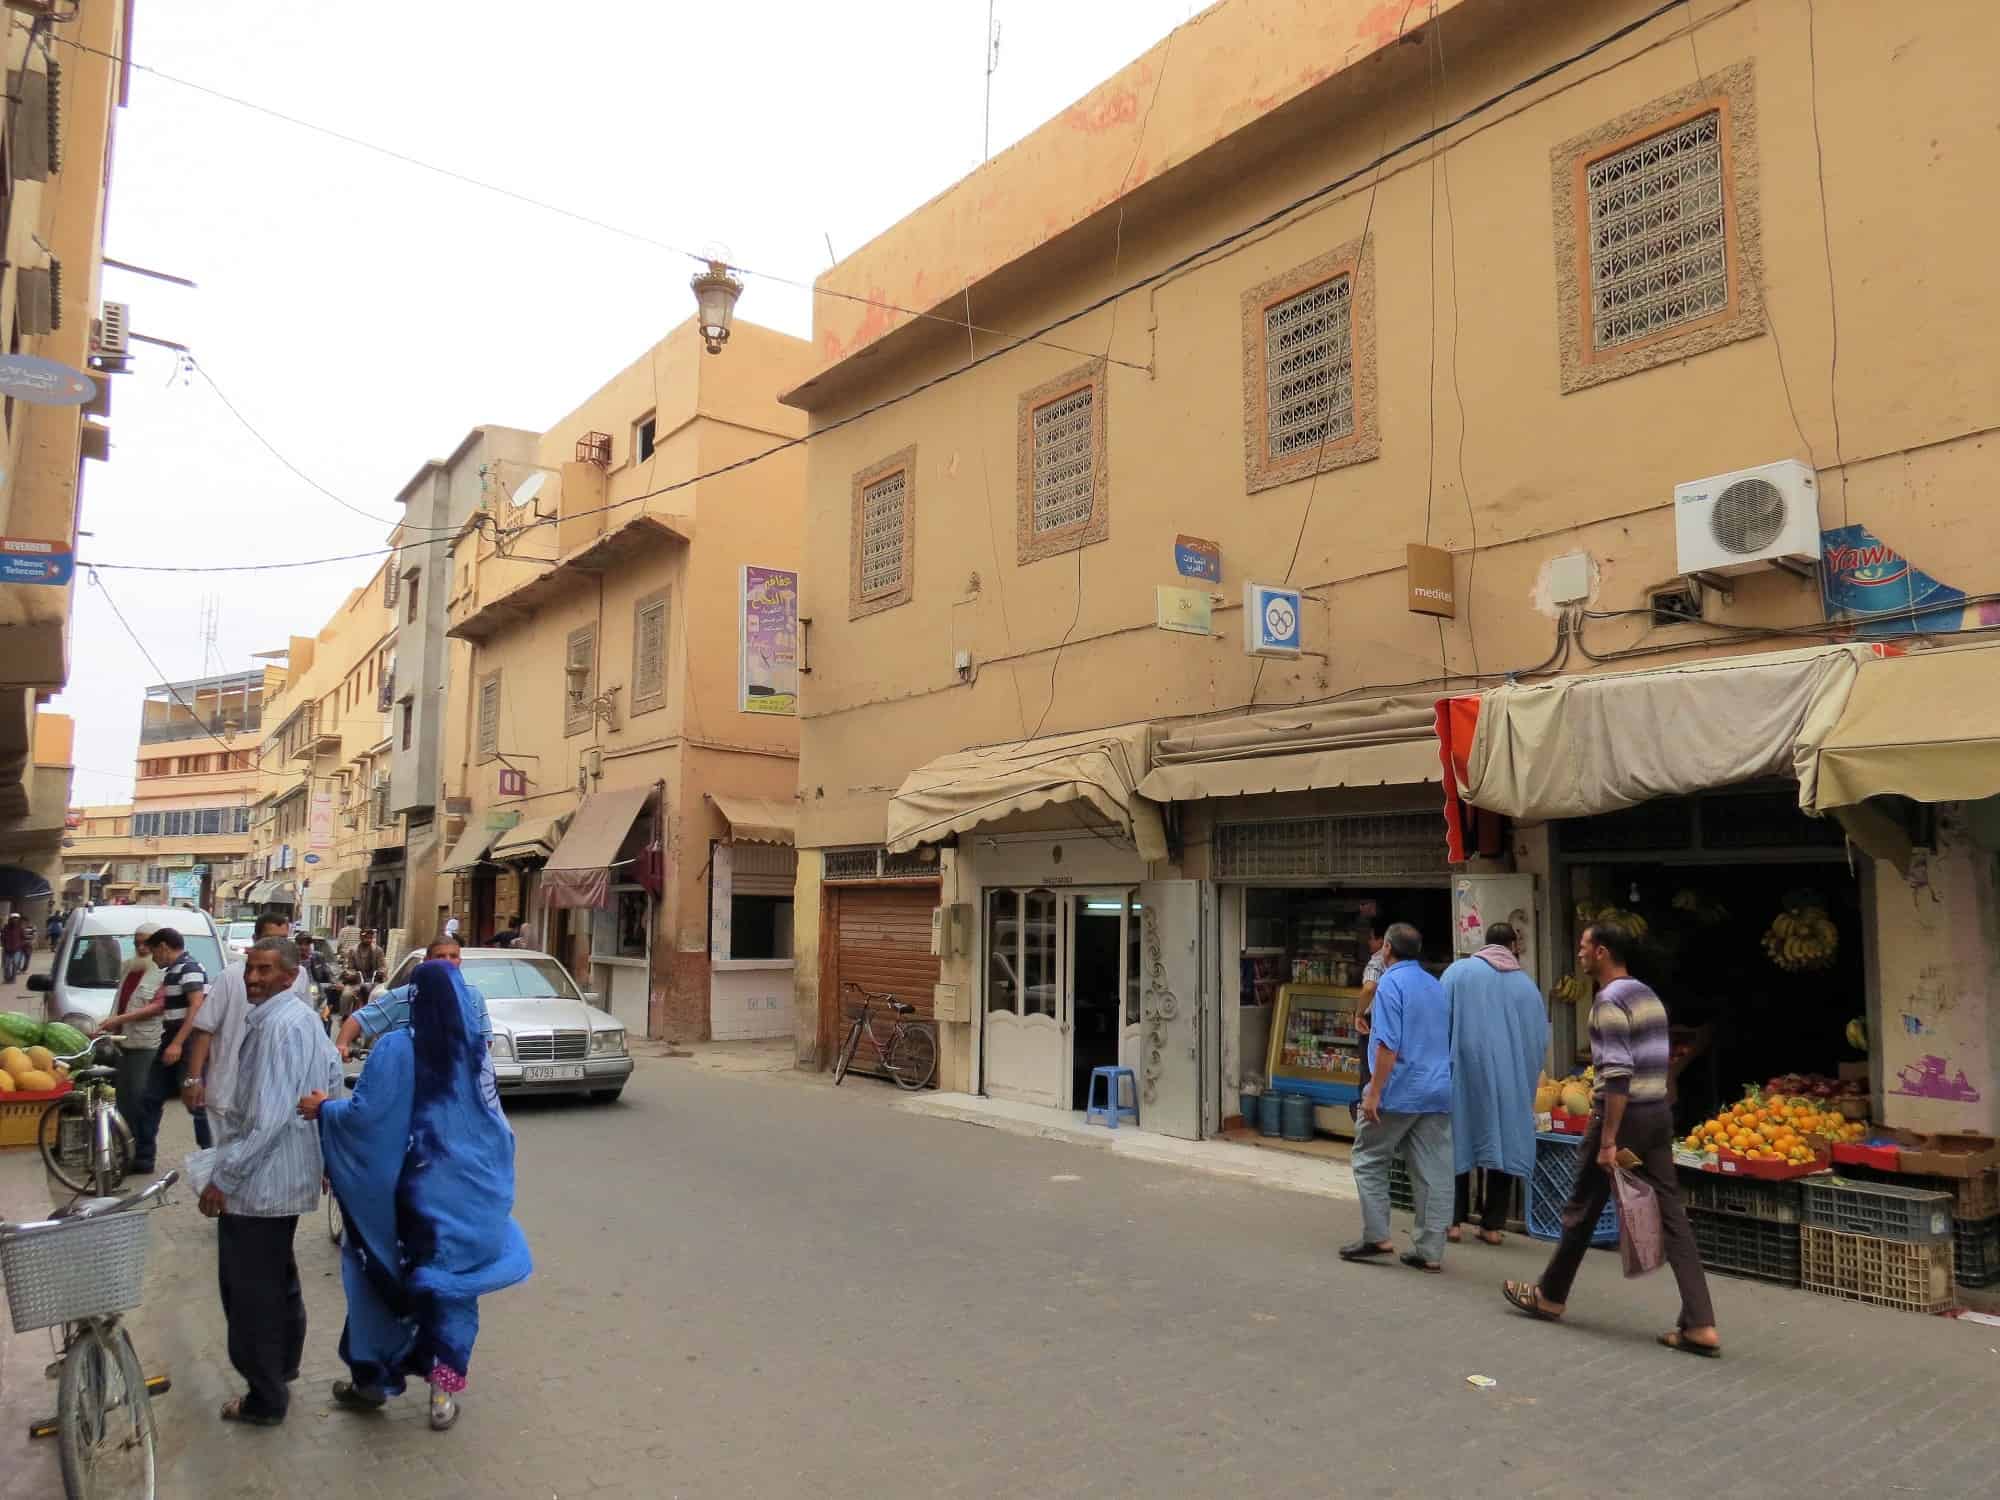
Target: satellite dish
(529, 488)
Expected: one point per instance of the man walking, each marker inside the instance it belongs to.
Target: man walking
(1499, 1040)
(218, 1031)
(1406, 1108)
(266, 1174)
(183, 986)
(1630, 1049)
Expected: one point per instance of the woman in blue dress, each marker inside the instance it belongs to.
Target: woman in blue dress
(422, 1161)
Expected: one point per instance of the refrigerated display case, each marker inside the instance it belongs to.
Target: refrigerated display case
(1315, 1044)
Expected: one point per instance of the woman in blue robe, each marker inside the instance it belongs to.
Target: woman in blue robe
(422, 1161)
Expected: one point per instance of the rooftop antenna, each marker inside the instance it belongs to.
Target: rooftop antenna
(992, 66)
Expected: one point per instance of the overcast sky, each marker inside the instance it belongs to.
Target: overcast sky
(364, 313)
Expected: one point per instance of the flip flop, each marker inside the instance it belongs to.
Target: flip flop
(1528, 1298)
(356, 1398)
(1417, 1263)
(1675, 1340)
(1363, 1250)
(232, 1411)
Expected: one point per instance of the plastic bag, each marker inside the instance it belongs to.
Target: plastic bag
(197, 1167)
(1640, 1244)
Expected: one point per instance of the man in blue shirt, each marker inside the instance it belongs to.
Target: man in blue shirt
(1406, 1108)
(391, 1008)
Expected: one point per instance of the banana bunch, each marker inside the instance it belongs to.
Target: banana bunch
(1801, 939)
(1707, 913)
(1857, 1033)
(1570, 989)
(1631, 921)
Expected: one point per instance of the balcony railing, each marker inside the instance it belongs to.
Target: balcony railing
(194, 729)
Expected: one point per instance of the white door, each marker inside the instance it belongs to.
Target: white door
(1132, 1030)
(1478, 901)
(1173, 929)
(1027, 1020)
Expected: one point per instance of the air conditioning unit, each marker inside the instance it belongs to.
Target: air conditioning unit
(1767, 517)
(111, 340)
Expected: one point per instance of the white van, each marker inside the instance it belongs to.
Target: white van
(82, 983)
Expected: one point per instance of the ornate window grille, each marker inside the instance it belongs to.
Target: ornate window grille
(1658, 256)
(1309, 368)
(1362, 845)
(882, 512)
(1065, 450)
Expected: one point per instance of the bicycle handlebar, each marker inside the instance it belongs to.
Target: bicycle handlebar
(97, 1044)
(868, 994)
(130, 1201)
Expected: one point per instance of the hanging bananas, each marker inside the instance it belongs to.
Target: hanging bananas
(1802, 939)
(1631, 921)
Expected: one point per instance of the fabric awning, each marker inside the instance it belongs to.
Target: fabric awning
(260, 891)
(1584, 745)
(470, 850)
(344, 886)
(1366, 742)
(1095, 773)
(284, 892)
(1924, 726)
(579, 872)
(536, 838)
(226, 891)
(758, 820)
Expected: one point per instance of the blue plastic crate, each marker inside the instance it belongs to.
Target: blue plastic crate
(1558, 1163)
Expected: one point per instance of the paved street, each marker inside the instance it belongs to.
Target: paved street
(758, 1285)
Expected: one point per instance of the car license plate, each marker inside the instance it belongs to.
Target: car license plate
(556, 1073)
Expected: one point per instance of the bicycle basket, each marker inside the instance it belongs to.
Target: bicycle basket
(74, 1268)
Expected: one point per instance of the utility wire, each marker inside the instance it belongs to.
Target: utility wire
(1013, 342)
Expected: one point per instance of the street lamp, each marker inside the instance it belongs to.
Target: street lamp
(715, 294)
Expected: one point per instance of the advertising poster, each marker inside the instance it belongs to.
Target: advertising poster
(1870, 584)
(320, 826)
(770, 642)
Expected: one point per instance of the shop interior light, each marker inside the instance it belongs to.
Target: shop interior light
(1104, 906)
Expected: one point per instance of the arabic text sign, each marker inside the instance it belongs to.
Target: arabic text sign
(44, 382)
(1197, 557)
(1187, 611)
(770, 642)
(27, 560)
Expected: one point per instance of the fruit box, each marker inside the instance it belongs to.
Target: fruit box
(1730, 1164)
(1564, 1123)
(1946, 1155)
(1864, 1154)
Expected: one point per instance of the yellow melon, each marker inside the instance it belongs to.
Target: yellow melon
(14, 1060)
(6, 1083)
(33, 1082)
(1575, 1099)
(42, 1058)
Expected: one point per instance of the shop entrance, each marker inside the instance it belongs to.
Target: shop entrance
(1062, 991)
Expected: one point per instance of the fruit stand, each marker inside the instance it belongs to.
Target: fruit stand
(30, 1076)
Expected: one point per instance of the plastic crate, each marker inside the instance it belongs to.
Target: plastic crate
(1739, 1245)
(1402, 1192)
(1911, 1277)
(21, 1120)
(1881, 1210)
(1974, 1197)
(1558, 1163)
(1975, 1251)
(1742, 1197)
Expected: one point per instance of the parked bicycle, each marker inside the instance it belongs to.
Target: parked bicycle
(908, 1051)
(81, 1271)
(86, 1144)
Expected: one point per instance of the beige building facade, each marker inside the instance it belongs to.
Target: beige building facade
(606, 716)
(1604, 255)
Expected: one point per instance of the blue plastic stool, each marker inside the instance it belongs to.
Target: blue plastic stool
(1112, 1109)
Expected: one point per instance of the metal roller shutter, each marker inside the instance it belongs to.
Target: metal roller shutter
(882, 942)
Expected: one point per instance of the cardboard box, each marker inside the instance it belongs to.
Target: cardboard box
(1946, 1155)
(1856, 1071)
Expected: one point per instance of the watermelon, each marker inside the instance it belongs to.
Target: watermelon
(17, 1030)
(63, 1041)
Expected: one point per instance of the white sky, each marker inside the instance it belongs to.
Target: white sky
(364, 314)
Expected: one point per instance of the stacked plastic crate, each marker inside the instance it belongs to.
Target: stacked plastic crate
(1744, 1226)
(1876, 1242)
(1975, 1213)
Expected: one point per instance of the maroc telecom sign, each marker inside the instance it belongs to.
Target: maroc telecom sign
(44, 382)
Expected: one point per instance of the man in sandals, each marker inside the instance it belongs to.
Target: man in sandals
(1406, 1108)
(1630, 1048)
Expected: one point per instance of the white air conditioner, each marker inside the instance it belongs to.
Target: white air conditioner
(114, 331)
(1754, 518)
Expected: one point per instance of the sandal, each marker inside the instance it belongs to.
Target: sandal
(444, 1410)
(1455, 1235)
(1417, 1263)
(1364, 1250)
(232, 1411)
(1492, 1237)
(1528, 1298)
(358, 1398)
(1675, 1339)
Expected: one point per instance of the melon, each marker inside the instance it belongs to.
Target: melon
(1547, 1095)
(6, 1083)
(64, 1041)
(18, 1030)
(1575, 1099)
(33, 1082)
(14, 1060)
(42, 1058)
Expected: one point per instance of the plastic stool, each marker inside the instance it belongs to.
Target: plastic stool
(1112, 1109)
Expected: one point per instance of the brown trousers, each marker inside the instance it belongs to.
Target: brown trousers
(1648, 1133)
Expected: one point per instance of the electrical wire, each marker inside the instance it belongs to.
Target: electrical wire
(1457, 391)
(1826, 239)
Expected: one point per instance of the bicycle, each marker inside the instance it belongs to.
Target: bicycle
(910, 1052)
(82, 1270)
(85, 1142)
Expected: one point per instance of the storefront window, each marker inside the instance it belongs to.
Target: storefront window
(1135, 972)
(760, 927)
(1040, 981)
(619, 930)
(1003, 951)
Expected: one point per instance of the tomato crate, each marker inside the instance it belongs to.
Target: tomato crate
(1912, 1277)
(1742, 1197)
(1738, 1245)
(1558, 1164)
(1883, 1210)
(1975, 1251)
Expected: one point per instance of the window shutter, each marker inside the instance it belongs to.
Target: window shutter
(29, 132)
(579, 679)
(391, 579)
(649, 652)
(489, 716)
(1309, 369)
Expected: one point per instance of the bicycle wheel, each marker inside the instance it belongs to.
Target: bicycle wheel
(912, 1058)
(104, 1419)
(846, 1058)
(65, 1140)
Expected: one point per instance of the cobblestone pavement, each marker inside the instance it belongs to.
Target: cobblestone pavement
(756, 1285)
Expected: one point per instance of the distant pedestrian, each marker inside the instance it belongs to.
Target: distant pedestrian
(266, 1174)
(18, 942)
(1629, 1047)
(1406, 1108)
(509, 935)
(1499, 1041)
(451, 927)
(369, 959)
(56, 920)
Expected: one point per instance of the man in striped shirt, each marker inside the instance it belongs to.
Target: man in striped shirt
(266, 1174)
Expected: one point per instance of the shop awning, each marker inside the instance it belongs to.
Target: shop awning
(341, 888)
(758, 820)
(259, 891)
(1924, 726)
(534, 839)
(1096, 776)
(1367, 742)
(227, 890)
(283, 892)
(1584, 745)
(579, 872)
(470, 851)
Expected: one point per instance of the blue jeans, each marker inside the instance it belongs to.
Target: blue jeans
(162, 1083)
(1424, 1143)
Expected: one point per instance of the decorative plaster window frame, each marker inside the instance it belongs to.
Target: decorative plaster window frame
(1031, 545)
(859, 604)
(1356, 261)
(1730, 93)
